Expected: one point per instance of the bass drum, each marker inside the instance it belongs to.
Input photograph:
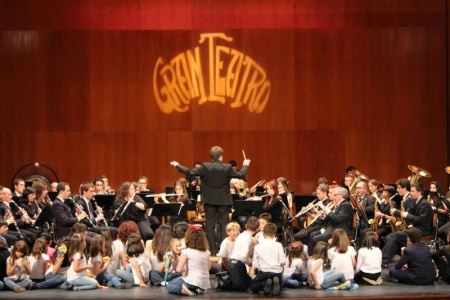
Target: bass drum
(36, 172)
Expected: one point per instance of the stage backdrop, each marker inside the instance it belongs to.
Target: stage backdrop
(306, 88)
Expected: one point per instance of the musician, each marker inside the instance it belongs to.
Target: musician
(438, 203)
(107, 189)
(130, 207)
(19, 187)
(20, 219)
(367, 203)
(143, 183)
(322, 181)
(282, 185)
(374, 189)
(420, 216)
(273, 204)
(98, 186)
(42, 195)
(304, 234)
(403, 189)
(27, 203)
(62, 213)
(95, 220)
(215, 186)
(182, 197)
(53, 187)
(350, 173)
(340, 216)
(8, 219)
(383, 214)
(194, 180)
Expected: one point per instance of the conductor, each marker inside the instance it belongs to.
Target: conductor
(215, 189)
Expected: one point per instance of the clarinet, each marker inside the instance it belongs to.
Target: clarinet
(77, 206)
(98, 209)
(8, 211)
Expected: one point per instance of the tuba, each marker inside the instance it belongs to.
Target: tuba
(358, 177)
(417, 174)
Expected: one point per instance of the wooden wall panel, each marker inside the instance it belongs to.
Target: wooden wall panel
(352, 82)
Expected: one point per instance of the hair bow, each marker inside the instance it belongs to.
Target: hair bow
(195, 227)
(293, 246)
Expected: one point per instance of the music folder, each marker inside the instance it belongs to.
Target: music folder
(44, 217)
(248, 208)
(166, 209)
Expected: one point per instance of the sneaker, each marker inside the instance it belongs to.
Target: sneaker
(344, 286)
(199, 291)
(331, 289)
(276, 286)
(66, 286)
(268, 286)
(109, 284)
(127, 285)
(186, 291)
(19, 289)
(164, 283)
(354, 286)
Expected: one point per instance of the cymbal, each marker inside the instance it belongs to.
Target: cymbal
(420, 171)
(447, 169)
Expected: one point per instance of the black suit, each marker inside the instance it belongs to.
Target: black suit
(420, 266)
(90, 220)
(340, 217)
(215, 188)
(419, 216)
(368, 205)
(64, 218)
(304, 234)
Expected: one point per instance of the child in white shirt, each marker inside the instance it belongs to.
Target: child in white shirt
(368, 266)
(342, 256)
(269, 258)
(227, 245)
(293, 275)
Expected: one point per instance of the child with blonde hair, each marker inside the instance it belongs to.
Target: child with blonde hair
(167, 270)
(226, 247)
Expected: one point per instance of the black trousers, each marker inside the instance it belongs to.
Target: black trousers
(239, 279)
(259, 281)
(213, 213)
(394, 242)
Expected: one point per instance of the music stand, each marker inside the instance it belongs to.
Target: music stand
(44, 217)
(52, 195)
(260, 190)
(194, 194)
(248, 208)
(164, 210)
(149, 200)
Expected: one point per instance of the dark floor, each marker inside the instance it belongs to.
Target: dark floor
(388, 290)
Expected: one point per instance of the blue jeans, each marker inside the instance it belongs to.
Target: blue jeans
(126, 275)
(174, 287)
(11, 283)
(51, 281)
(83, 283)
(294, 280)
(2, 286)
(331, 277)
(157, 277)
(104, 278)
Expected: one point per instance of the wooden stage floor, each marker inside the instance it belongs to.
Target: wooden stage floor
(388, 290)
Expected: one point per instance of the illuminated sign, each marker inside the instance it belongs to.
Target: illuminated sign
(230, 76)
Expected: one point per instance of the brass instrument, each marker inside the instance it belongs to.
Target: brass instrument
(447, 169)
(358, 177)
(307, 208)
(417, 174)
(401, 222)
(375, 222)
(252, 190)
(320, 213)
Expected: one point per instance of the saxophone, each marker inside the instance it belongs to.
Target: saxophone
(375, 222)
(401, 222)
(390, 219)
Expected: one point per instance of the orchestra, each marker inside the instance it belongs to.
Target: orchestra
(358, 207)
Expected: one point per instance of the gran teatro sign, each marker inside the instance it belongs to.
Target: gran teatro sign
(211, 72)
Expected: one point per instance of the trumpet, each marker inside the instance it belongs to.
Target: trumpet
(307, 208)
(321, 212)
